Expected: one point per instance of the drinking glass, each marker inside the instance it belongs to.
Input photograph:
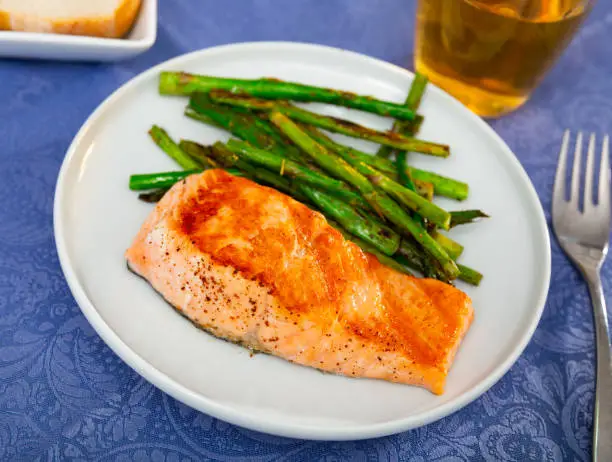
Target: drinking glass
(491, 54)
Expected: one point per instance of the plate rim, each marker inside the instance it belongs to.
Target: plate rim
(266, 424)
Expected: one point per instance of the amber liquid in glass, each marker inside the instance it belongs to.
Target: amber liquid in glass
(490, 54)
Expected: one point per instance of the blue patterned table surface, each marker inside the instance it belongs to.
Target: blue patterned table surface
(65, 396)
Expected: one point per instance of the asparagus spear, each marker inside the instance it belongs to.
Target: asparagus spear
(462, 217)
(149, 181)
(158, 180)
(200, 153)
(409, 198)
(332, 124)
(260, 133)
(403, 175)
(164, 141)
(453, 249)
(405, 179)
(259, 175)
(413, 100)
(409, 255)
(291, 151)
(466, 274)
(203, 117)
(165, 180)
(193, 114)
(241, 125)
(443, 186)
(152, 196)
(273, 133)
(228, 159)
(290, 169)
(383, 165)
(245, 126)
(382, 203)
(469, 275)
(181, 83)
(382, 258)
(412, 257)
(257, 119)
(381, 237)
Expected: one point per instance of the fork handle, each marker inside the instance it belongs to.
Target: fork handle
(602, 418)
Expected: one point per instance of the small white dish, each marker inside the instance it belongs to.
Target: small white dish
(96, 218)
(31, 45)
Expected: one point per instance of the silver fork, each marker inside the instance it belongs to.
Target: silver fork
(583, 235)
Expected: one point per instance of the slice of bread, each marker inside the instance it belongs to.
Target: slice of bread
(99, 18)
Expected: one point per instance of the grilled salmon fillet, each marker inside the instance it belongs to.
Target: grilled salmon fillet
(253, 266)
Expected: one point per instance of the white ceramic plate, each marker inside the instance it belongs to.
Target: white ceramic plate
(96, 217)
(79, 48)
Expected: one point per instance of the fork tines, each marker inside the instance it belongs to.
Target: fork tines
(603, 193)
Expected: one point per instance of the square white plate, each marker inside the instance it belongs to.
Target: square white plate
(80, 48)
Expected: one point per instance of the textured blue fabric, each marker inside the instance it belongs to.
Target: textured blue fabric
(65, 396)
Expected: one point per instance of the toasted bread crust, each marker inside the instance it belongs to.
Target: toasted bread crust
(114, 26)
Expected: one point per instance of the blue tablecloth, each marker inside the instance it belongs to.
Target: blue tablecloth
(65, 396)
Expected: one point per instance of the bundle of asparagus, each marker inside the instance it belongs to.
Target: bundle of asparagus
(383, 205)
